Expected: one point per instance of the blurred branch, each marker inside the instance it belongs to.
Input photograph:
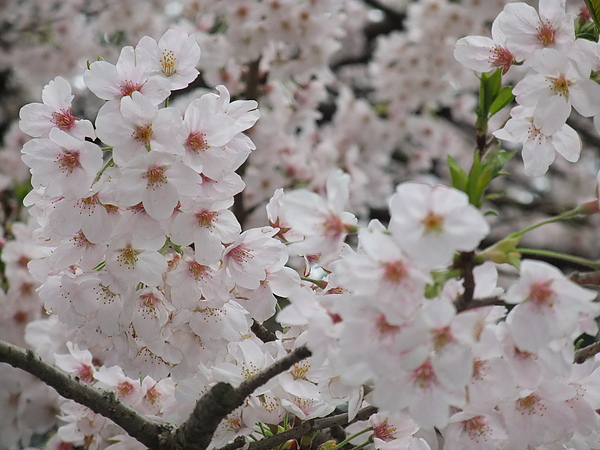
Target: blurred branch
(587, 352)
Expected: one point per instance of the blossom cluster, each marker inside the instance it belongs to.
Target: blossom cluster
(555, 77)
(153, 287)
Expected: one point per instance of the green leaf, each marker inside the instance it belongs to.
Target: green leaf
(458, 176)
(488, 90)
(504, 97)
(594, 9)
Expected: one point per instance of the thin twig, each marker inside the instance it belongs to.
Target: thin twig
(145, 430)
(308, 427)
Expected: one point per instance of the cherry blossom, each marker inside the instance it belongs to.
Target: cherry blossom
(55, 111)
(431, 223)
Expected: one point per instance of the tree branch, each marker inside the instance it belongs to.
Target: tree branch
(146, 431)
(222, 399)
(586, 278)
(262, 332)
(466, 263)
(480, 303)
(587, 352)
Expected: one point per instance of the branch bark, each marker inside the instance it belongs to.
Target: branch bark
(222, 399)
(587, 352)
(149, 432)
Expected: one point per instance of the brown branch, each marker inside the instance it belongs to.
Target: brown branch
(586, 278)
(587, 352)
(252, 77)
(466, 264)
(222, 399)
(262, 332)
(145, 430)
(482, 303)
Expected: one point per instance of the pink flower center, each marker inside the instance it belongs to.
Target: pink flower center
(441, 337)
(541, 293)
(530, 405)
(385, 431)
(433, 223)
(206, 218)
(333, 226)
(80, 240)
(168, 62)
(63, 119)
(156, 176)
(128, 256)
(501, 57)
(68, 160)
(129, 87)
(149, 302)
(394, 271)
(545, 34)
(85, 373)
(386, 328)
(560, 86)
(152, 395)
(197, 142)
(240, 254)
(424, 376)
(476, 427)
(124, 389)
(143, 134)
(197, 270)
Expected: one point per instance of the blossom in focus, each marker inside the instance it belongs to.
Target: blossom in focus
(539, 147)
(55, 111)
(431, 223)
(483, 54)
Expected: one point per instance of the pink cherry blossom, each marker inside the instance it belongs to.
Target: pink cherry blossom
(55, 111)
(431, 223)
(175, 57)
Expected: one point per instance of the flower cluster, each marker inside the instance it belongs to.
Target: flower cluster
(557, 78)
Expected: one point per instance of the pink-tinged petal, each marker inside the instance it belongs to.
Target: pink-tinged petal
(474, 52)
(57, 94)
(551, 113)
(207, 246)
(567, 142)
(35, 119)
(160, 201)
(537, 157)
(530, 326)
(102, 80)
(585, 97)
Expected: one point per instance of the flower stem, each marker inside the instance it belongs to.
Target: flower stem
(562, 256)
(344, 442)
(580, 210)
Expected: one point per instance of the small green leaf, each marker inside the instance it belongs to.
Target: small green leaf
(458, 176)
(504, 97)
